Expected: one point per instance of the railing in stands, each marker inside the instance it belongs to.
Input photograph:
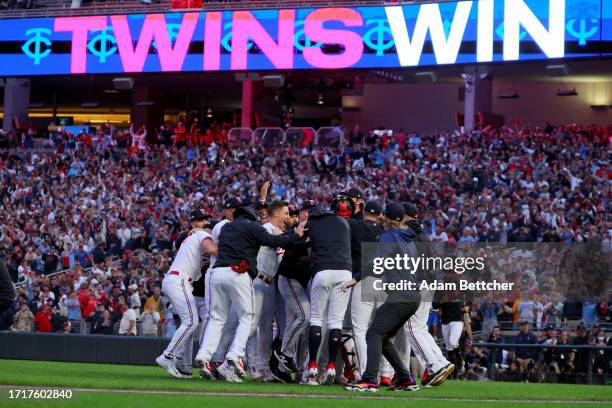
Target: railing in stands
(22, 279)
(65, 7)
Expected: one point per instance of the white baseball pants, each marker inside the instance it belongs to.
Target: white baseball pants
(421, 341)
(452, 333)
(179, 291)
(186, 352)
(228, 289)
(327, 299)
(259, 346)
(362, 314)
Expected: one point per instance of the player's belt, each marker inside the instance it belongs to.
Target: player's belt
(177, 273)
(264, 278)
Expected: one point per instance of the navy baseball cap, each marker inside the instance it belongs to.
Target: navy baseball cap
(233, 202)
(394, 211)
(372, 207)
(307, 205)
(354, 193)
(293, 210)
(410, 210)
(198, 215)
(261, 206)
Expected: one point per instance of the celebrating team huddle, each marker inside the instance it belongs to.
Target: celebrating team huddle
(283, 297)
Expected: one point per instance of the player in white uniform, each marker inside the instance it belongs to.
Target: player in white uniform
(230, 327)
(185, 355)
(231, 286)
(186, 267)
(264, 291)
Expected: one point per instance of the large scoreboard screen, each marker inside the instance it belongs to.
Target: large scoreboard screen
(462, 32)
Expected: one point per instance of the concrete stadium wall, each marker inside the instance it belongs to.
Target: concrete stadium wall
(421, 107)
(539, 103)
(432, 107)
(81, 348)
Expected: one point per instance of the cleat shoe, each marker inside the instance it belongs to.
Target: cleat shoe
(362, 386)
(168, 365)
(461, 370)
(312, 381)
(214, 365)
(238, 368)
(441, 375)
(409, 384)
(312, 374)
(255, 374)
(227, 370)
(286, 363)
(186, 372)
(207, 372)
(330, 374)
(266, 375)
(426, 378)
(385, 381)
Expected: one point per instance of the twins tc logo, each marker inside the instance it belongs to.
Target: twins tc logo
(103, 44)
(39, 45)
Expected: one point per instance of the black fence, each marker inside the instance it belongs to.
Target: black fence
(144, 350)
(493, 367)
(81, 348)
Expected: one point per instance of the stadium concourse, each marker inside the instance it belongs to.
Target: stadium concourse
(104, 209)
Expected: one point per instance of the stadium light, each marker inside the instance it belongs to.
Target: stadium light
(320, 100)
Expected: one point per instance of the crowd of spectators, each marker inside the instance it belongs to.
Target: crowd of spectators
(17, 4)
(106, 206)
(550, 364)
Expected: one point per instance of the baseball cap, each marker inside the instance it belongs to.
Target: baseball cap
(353, 193)
(410, 210)
(394, 211)
(261, 206)
(372, 207)
(198, 215)
(307, 205)
(233, 202)
(293, 210)
(246, 212)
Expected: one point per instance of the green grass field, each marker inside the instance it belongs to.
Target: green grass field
(104, 385)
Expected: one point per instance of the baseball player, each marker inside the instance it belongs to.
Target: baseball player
(394, 312)
(362, 231)
(264, 290)
(177, 286)
(292, 284)
(436, 368)
(452, 310)
(231, 286)
(330, 264)
(185, 355)
(228, 330)
(357, 199)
